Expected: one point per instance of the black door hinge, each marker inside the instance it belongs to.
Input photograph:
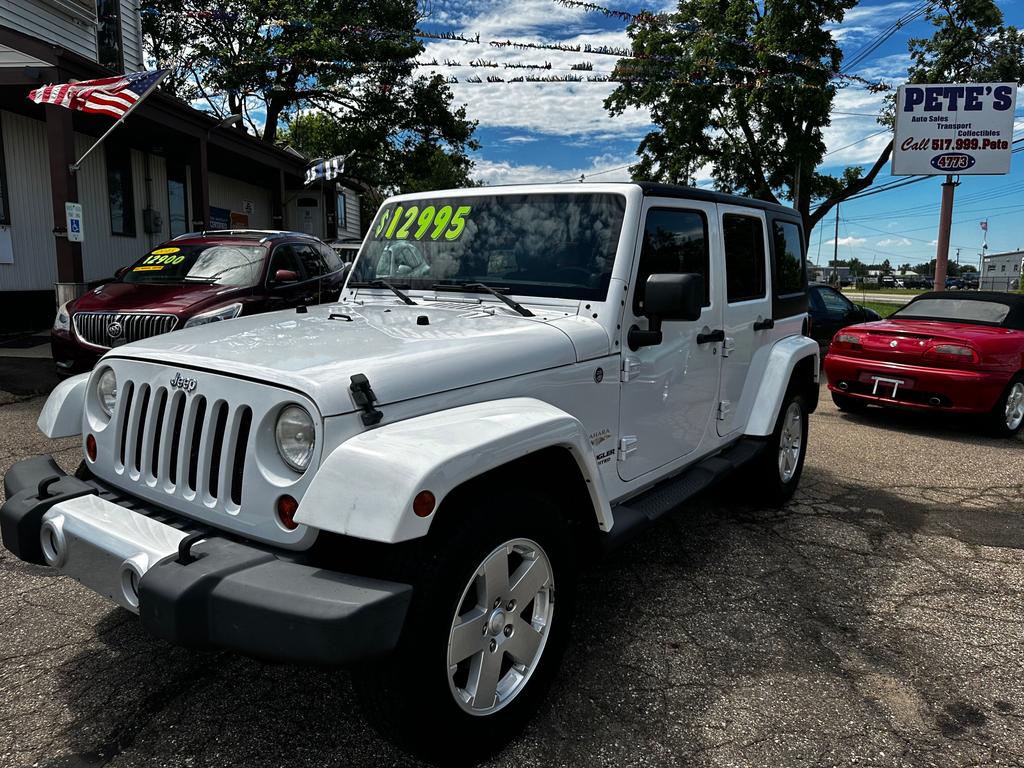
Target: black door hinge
(364, 398)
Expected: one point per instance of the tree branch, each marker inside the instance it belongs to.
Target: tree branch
(850, 190)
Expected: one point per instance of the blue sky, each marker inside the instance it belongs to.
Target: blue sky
(555, 132)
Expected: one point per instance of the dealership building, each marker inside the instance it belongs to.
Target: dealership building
(167, 170)
(1002, 271)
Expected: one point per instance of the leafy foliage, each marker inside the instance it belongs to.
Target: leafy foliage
(336, 75)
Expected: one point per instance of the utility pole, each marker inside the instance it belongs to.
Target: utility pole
(945, 224)
(835, 250)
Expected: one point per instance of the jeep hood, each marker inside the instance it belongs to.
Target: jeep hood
(405, 351)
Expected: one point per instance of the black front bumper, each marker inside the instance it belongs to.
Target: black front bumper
(224, 593)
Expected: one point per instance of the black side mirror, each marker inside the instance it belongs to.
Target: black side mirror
(671, 296)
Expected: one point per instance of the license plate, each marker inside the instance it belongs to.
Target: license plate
(885, 386)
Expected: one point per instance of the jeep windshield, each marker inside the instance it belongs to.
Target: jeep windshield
(210, 264)
(551, 245)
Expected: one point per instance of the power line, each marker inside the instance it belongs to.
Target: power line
(858, 141)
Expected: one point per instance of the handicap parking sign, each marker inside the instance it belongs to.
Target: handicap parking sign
(73, 212)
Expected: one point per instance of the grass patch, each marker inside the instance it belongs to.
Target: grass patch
(879, 289)
(880, 307)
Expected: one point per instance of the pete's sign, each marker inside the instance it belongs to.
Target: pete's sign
(953, 129)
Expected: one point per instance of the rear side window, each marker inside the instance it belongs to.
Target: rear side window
(744, 257)
(789, 259)
(331, 258)
(675, 240)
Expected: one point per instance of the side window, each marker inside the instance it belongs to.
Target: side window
(312, 261)
(675, 240)
(285, 257)
(331, 258)
(835, 303)
(744, 257)
(788, 253)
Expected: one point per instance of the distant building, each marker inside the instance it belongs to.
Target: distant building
(1002, 271)
(169, 169)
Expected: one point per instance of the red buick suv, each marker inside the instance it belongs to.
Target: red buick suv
(191, 280)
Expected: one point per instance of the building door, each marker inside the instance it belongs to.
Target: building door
(669, 390)
(177, 199)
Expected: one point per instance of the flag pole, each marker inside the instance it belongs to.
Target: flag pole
(78, 163)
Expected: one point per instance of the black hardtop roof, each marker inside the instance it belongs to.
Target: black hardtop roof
(653, 189)
(1015, 301)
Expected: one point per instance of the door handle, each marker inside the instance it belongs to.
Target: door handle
(764, 325)
(713, 336)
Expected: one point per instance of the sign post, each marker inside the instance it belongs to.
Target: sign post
(947, 130)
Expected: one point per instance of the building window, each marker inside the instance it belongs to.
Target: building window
(119, 191)
(342, 224)
(108, 34)
(5, 204)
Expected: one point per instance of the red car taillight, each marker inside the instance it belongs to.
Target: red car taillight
(846, 339)
(952, 353)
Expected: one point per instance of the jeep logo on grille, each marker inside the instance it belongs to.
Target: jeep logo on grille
(114, 330)
(186, 383)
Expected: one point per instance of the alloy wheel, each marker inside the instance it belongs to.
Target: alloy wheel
(791, 440)
(1015, 406)
(500, 627)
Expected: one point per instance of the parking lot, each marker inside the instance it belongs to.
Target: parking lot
(877, 620)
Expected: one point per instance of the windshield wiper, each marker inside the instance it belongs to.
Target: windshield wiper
(384, 284)
(481, 288)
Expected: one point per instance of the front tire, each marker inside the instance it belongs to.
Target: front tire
(1007, 417)
(781, 463)
(483, 635)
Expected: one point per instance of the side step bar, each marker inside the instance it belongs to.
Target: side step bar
(635, 514)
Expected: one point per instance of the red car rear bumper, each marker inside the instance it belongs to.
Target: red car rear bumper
(940, 389)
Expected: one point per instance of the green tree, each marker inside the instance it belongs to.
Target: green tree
(270, 59)
(885, 267)
(858, 268)
(761, 134)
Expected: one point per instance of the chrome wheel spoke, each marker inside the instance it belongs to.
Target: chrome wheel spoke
(467, 638)
(528, 580)
(790, 442)
(524, 642)
(483, 675)
(495, 575)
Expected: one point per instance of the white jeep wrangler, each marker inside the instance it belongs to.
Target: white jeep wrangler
(514, 380)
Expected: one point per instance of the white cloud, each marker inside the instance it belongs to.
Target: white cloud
(891, 242)
(504, 172)
(520, 139)
(847, 241)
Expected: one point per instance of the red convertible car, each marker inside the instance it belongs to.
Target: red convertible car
(961, 353)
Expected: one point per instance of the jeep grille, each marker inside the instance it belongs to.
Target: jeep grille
(94, 327)
(185, 445)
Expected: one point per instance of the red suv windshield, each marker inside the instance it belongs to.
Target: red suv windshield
(208, 263)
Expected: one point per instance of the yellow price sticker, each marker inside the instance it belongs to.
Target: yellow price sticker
(164, 251)
(149, 268)
(414, 223)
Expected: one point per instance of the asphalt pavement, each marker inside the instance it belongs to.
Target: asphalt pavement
(875, 621)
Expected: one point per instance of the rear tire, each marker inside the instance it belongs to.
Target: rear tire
(778, 469)
(1007, 417)
(848, 404)
(477, 655)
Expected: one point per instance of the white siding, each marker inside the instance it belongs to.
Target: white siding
(131, 36)
(12, 58)
(103, 252)
(67, 23)
(28, 179)
(305, 219)
(352, 216)
(230, 193)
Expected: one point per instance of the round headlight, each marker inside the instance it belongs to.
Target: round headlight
(106, 390)
(295, 437)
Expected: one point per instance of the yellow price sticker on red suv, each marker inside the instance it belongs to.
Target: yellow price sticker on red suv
(164, 251)
(148, 268)
(421, 223)
(163, 257)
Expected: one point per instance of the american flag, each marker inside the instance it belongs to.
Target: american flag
(327, 170)
(114, 96)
